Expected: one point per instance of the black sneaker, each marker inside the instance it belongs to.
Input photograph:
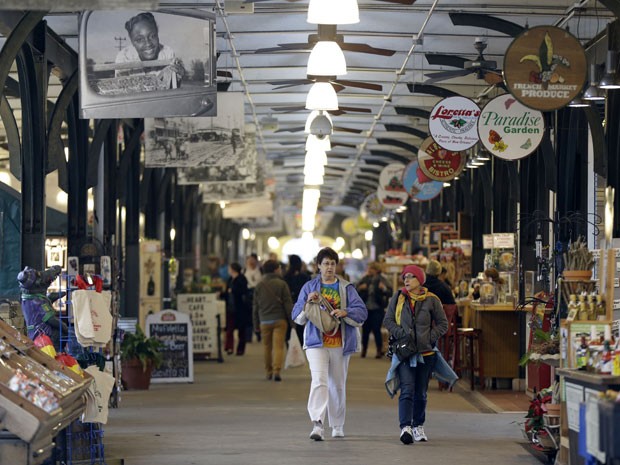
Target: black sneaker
(406, 435)
(277, 378)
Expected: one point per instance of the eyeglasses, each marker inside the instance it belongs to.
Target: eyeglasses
(328, 264)
(409, 276)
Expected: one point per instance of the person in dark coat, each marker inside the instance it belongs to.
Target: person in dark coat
(296, 278)
(376, 291)
(238, 310)
(436, 286)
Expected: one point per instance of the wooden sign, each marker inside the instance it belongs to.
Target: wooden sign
(545, 68)
(174, 331)
(438, 163)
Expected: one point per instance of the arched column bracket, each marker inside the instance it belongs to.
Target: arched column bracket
(12, 137)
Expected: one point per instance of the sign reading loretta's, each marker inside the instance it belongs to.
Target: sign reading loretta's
(452, 123)
(545, 68)
(438, 163)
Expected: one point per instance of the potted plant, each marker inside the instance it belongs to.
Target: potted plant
(139, 355)
(578, 261)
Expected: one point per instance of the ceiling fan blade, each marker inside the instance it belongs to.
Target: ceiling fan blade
(445, 60)
(284, 48)
(297, 46)
(411, 111)
(486, 22)
(351, 130)
(431, 90)
(445, 75)
(406, 130)
(289, 108)
(493, 77)
(355, 109)
(290, 82)
(359, 84)
(365, 48)
(222, 73)
(343, 144)
(295, 129)
(400, 2)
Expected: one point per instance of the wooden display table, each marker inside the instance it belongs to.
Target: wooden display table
(500, 338)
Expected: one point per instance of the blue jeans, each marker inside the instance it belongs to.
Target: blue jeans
(413, 388)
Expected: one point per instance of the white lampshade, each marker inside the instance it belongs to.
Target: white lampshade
(326, 59)
(314, 143)
(314, 169)
(316, 156)
(322, 96)
(333, 12)
(313, 179)
(313, 114)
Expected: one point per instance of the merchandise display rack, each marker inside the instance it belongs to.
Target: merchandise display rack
(82, 442)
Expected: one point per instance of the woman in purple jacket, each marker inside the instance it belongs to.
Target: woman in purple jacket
(328, 356)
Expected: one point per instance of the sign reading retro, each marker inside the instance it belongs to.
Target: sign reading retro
(416, 189)
(452, 123)
(510, 130)
(438, 163)
(545, 68)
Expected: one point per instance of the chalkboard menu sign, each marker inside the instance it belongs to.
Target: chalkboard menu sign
(203, 310)
(174, 330)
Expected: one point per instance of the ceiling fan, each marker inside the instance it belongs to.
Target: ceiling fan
(335, 128)
(328, 32)
(399, 2)
(340, 111)
(480, 66)
(338, 84)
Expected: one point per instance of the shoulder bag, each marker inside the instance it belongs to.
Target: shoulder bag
(319, 313)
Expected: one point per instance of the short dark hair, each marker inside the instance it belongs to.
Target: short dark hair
(270, 266)
(294, 262)
(146, 17)
(235, 267)
(326, 252)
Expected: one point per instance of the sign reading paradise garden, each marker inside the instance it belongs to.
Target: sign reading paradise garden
(510, 130)
(545, 68)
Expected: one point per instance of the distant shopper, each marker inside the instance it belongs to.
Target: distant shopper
(416, 320)
(272, 307)
(329, 356)
(435, 285)
(296, 278)
(238, 310)
(375, 290)
(253, 274)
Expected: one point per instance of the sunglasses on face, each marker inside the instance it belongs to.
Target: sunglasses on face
(409, 276)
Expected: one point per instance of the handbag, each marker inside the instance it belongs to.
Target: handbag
(404, 347)
(319, 313)
(294, 354)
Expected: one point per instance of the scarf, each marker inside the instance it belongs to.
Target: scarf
(418, 296)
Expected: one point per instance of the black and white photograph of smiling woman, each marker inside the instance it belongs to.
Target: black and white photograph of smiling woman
(140, 55)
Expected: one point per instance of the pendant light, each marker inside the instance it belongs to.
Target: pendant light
(333, 12)
(322, 96)
(610, 80)
(326, 59)
(592, 93)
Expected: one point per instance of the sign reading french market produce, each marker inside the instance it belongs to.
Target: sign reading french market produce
(452, 123)
(545, 67)
(438, 163)
(419, 190)
(509, 129)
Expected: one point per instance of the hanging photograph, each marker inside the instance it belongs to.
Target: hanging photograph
(136, 64)
(228, 192)
(243, 171)
(201, 142)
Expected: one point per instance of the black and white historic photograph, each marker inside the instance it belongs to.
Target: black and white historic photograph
(144, 64)
(201, 142)
(227, 192)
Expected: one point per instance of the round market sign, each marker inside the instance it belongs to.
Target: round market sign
(452, 123)
(545, 68)
(392, 199)
(391, 191)
(419, 190)
(372, 209)
(438, 163)
(509, 129)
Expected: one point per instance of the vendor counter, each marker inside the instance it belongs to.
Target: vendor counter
(500, 336)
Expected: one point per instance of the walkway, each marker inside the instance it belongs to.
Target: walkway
(231, 415)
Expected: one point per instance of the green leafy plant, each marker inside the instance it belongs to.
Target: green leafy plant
(145, 349)
(578, 256)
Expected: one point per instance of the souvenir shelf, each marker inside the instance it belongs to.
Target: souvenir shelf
(38, 398)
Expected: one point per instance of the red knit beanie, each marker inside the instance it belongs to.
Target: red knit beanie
(416, 271)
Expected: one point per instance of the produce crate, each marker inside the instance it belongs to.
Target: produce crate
(32, 423)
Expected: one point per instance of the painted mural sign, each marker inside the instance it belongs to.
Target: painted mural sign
(545, 68)
(438, 163)
(452, 123)
(509, 129)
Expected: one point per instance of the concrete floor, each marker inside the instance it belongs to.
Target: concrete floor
(231, 415)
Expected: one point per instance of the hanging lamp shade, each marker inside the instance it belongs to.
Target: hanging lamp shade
(326, 59)
(313, 179)
(578, 102)
(333, 12)
(592, 92)
(313, 114)
(322, 96)
(611, 80)
(314, 143)
(315, 156)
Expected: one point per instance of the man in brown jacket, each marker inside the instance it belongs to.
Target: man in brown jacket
(272, 306)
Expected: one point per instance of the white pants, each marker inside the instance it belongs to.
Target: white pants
(328, 368)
